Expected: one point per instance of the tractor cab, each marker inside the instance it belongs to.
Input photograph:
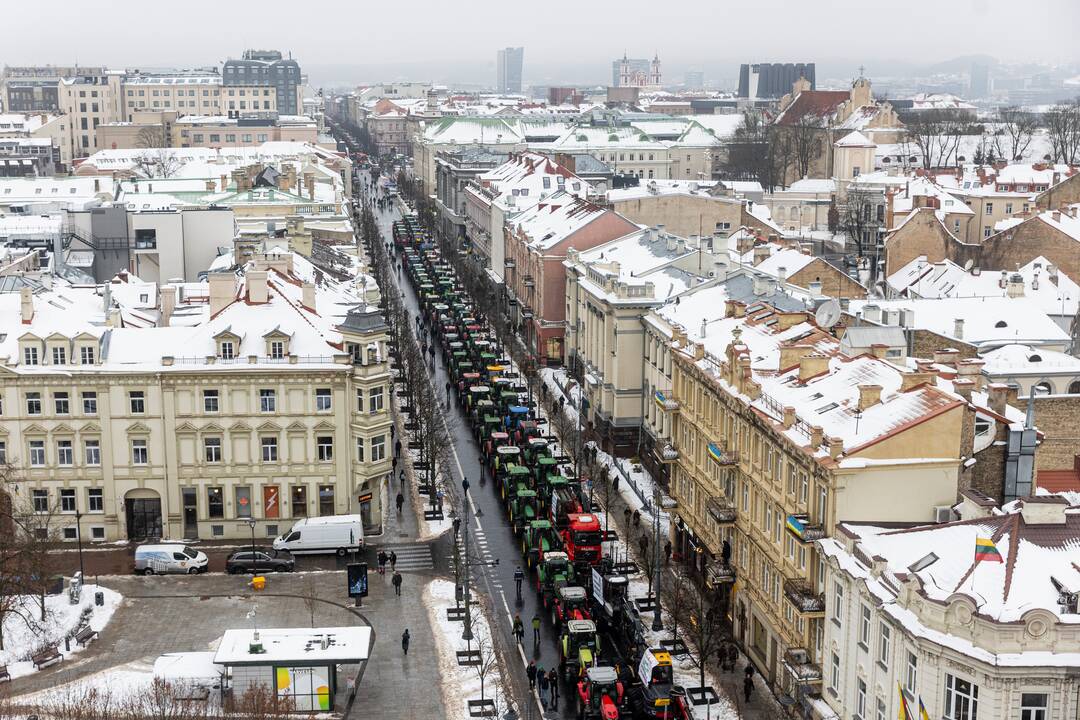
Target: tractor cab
(564, 501)
(600, 694)
(511, 478)
(515, 414)
(656, 675)
(582, 538)
(579, 647)
(555, 571)
(538, 539)
(527, 429)
(681, 707)
(524, 508)
(571, 603)
(503, 455)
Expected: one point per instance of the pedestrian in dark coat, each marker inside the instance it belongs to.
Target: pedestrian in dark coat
(397, 448)
(400, 502)
(393, 561)
(643, 544)
(637, 518)
(553, 686)
(748, 687)
(542, 681)
(397, 583)
(530, 672)
(405, 641)
(615, 485)
(382, 562)
(667, 552)
(732, 656)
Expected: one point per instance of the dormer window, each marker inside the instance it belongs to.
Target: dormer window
(226, 350)
(30, 356)
(59, 355)
(277, 349)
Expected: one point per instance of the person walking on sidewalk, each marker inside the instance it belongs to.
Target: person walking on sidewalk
(553, 688)
(530, 672)
(748, 687)
(401, 475)
(519, 629)
(542, 681)
(400, 502)
(382, 562)
(536, 630)
(397, 448)
(393, 561)
(405, 641)
(396, 580)
(519, 577)
(667, 552)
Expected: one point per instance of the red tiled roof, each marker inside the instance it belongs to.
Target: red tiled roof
(1056, 481)
(812, 102)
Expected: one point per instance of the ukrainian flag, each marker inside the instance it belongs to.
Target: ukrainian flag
(715, 452)
(660, 399)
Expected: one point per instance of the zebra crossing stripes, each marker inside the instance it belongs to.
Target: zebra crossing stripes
(411, 556)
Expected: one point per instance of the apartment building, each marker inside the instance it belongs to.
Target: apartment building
(88, 101)
(266, 70)
(927, 617)
(188, 410)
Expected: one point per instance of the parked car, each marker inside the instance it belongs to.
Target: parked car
(339, 534)
(261, 560)
(169, 559)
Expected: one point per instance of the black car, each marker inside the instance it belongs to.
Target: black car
(262, 560)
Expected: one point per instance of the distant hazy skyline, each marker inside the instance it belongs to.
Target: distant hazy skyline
(346, 41)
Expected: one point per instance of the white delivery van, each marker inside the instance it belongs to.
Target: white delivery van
(168, 559)
(339, 534)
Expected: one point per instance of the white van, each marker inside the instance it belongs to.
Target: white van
(339, 534)
(169, 559)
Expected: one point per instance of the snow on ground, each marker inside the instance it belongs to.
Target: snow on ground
(61, 619)
(460, 683)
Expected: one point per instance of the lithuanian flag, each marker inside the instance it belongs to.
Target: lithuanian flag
(904, 713)
(986, 550)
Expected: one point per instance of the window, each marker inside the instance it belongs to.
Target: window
(884, 644)
(89, 403)
(989, 208)
(40, 499)
(277, 349)
(3, 451)
(95, 500)
(210, 401)
(322, 400)
(359, 399)
(987, 231)
(360, 449)
(59, 356)
(864, 627)
(138, 452)
(375, 400)
(92, 451)
(137, 401)
(326, 499)
(1008, 208)
(838, 603)
(67, 500)
(378, 448)
(230, 138)
(243, 501)
(961, 699)
(60, 402)
(325, 448)
(212, 449)
(881, 712)
(299, 501)
(1034, 706)
(227, 352)
(269, 449)
(37, 453)
(30, 356)
(215, 502)
(911, 674)
(267, 401)
(834, 679)
(860, 699)
(33, 403)
(97, 532)
(64, 454)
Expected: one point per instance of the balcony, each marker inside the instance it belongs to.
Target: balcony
(801, 527)
(806, 602)
(528, 281)
(722, 457)
(719, 574)
(509, 263)
(798, 664)
(665, 402)
(669, 454)
(721, 510)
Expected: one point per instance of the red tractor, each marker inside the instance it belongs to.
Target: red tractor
(582, 538)
(571, 603)
(600, 695)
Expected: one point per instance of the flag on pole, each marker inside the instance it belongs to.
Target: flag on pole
(922, 711)
(904, 713)
(986, 550)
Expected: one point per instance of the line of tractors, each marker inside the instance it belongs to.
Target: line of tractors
(560, 535)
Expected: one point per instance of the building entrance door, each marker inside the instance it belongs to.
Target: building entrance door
(191, 514)
(143, 518)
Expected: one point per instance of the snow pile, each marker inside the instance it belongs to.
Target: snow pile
(25, 633)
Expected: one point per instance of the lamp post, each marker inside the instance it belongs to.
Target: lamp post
(467, 634)
(251, 524)
(78, 536)
(657, 621)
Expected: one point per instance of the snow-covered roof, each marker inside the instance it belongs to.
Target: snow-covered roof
(635, 259)
(526, 177)
(855, 139)
(654, 188)
(1026, 360)
(299, 645)
(555, 218)
(791, 261)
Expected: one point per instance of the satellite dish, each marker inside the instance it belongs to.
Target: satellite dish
(828, 314)
(969, 264)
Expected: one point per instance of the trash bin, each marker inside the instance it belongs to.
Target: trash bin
(258, 582)
(99, 598)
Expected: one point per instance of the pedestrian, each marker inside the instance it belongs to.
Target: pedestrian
(553, 688)
(536, 629)
(400, 502)
(401, 477)
(748, 687)
(615, 483)
(637, 518)
(405, 641)
(542, 681)
(393, 430)
(667, 552)
(519, 629)
(626, 516)
(382, 562)
(397, 448)
(732, 656)
(393, 561)
(519, 577)
(749, 671)
(465, 485)
(643, 544)
(396, 580)
(448, 393)
(530, 672)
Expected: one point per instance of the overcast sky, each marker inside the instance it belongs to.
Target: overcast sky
(567, 41)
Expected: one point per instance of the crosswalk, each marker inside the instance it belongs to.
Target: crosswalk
(478, 548)
(411, 557)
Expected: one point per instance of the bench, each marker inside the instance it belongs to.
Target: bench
(46, 657)
(5, 676)
(86, 635)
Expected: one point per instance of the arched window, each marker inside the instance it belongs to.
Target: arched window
(1042, 388)
(1074, 387)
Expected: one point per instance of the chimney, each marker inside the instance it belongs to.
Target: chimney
(699, 351)
(1044, 510)
(781, 275)
(816, 436)
(964, 388)
(791, 354)
(761, 254)
(210, 186)
(958, 328)
(869, 395)
(1014, 288)
(309, 296)
(222, 291)
(97, 185)
(224, 182)
(309, 184)
(1056, 215)
(167, 295)
(1003, 280)
(26, 305)
(836, 447)
(879, 350)
(258, 291)
(946, 356)
(812, 365)
(999, 393)
(789, 416)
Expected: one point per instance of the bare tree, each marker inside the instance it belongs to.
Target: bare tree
(801, 144)
(151, 136)
(1063, 130)
(858, 219)
(677, 595)
(488, 664)
(158, 163)
(309, 592)
(1014, 138)
(936, 135)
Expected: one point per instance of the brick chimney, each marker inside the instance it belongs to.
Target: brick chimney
(964, 388)
(258, 291)
(869, 395)
(791, 354)
(26, 305)
(999, 393)
(309, 296)
(222, 291)
(812, 365)
(817, 435)
(789, 416)
(836, 447)
(167, 297)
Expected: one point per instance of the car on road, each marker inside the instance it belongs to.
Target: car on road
(261, 560)
(169, 559)
(339, 534)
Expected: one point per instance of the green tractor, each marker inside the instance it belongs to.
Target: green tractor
(540, 538)
(579, 648)
(511, 476)
(523, 509)
(553, 572)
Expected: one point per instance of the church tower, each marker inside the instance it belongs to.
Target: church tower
(655, 77)
(624, 71)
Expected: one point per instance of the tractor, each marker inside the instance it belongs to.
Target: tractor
(553, 572)
(582, 539)
(571, 603)
(600, 694)
(653, 698)
(578, 648)
(539, 538)
(523, 508)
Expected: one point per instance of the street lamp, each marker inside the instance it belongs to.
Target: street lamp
(78, 536)
(467, 634)
(657, 621)
(251, 524)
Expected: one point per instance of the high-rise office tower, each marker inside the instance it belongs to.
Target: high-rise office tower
(508, 63)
